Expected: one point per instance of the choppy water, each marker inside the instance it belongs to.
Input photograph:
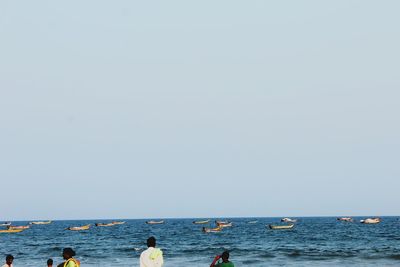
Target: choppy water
(313, 242)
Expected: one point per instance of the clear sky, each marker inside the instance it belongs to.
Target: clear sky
(137, 109)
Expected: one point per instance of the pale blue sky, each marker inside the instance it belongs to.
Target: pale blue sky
(136, 109)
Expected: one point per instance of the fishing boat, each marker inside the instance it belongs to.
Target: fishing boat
(345, 219)
(201, 222)
(371, 221)
(40, 223)
(252, 222)
(22, 227)
(117, 223)
(212, 230)
(104, 224)
(79, 228)
(288, 220)
(224, 224)
(5, 224)
(11, 231)
(155, 222)
(280, 227)
(221, 222)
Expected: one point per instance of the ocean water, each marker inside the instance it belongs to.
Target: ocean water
(313, 242)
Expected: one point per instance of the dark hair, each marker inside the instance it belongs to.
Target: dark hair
(49, 261)
(9, 257)
(151, 242)
(69, 251)
(225, 255)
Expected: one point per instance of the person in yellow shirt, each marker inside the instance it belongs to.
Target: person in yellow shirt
(152, 256)
(68, 254)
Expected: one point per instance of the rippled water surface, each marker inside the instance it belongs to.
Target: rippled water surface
(313, 242)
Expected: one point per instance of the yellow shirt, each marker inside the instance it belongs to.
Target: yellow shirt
(71, 263)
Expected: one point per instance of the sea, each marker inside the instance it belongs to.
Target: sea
(313, 241)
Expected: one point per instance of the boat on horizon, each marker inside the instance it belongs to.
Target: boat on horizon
(221, 222)
(5, 224)
(104, 224)
(225, 224)
(155, 222)
(281, 227)
(371, 221)
(79, 228)
(118, 222)
(345, 219)
(202, 222)
(252, 222)
(288, 220)
(40, 222)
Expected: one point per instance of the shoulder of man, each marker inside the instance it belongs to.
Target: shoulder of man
(156, 253)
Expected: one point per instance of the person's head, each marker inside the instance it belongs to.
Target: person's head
(9, 259)
(68, 253)
(151, 242)
(49, 262)
(225, 256)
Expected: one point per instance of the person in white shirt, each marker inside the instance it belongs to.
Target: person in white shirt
(152, 256)
(9, 261)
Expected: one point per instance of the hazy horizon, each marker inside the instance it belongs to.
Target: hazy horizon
(212, 218)
(199, 109)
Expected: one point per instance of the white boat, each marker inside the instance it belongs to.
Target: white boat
(118, 223)
(224, 224)
(345, 219)
(201, 222)
(5, 224)
(371, 221)
(155, 222)
(40, 223)
(288, 220)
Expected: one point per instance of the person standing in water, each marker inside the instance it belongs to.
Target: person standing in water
(9, 261)
(49, 263)
(225, 260)
(68, 254)
(152, 256)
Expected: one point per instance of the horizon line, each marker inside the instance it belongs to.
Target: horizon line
(212, 217)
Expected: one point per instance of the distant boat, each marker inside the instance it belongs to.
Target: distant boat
(155, 222)
(212, 230)
(201, 222)
(221, 222)
(11, 231)
(39, 223)
(11, 227)
(79, 228)
(5, 224)
(280, 227)
(252, 222)
(371, 221)
(225, 224)
(288, 220)
(345, 219)
(104, 224)
(117, 223)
